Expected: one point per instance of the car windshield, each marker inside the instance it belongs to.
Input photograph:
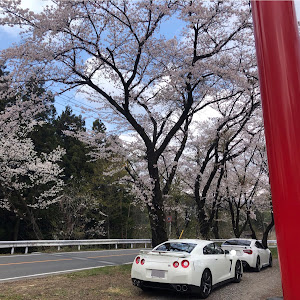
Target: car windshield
(238, 242)
(176, 247)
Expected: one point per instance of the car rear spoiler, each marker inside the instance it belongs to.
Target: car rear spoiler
(236, 246)
(165, 253)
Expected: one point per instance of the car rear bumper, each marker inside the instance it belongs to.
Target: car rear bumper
(178, 287)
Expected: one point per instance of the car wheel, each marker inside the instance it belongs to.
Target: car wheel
(258, 266)
(238, 272)
(206, 284)
(270, 261)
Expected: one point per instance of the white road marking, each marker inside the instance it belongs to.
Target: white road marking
(106, 262)
(80, 258)
(50, 273)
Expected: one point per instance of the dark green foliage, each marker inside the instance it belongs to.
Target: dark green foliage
(75, 161)
(89, 198)
(98, 126)
(114, 200)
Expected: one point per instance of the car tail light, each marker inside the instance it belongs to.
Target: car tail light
(248, 251)
(137, 260)
(185, 263)
(175, 264)
(142, 261)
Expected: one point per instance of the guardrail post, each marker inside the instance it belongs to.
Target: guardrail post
(116, 246)
(58, 248)
(12, 250)
(131, 246)
(26, 250)
(78, 247)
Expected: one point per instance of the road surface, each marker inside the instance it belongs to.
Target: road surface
(41, 264)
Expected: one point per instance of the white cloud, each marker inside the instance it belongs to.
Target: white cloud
(12, 33)
(129, 137)
(35, 5)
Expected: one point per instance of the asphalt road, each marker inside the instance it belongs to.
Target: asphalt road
(15, 267)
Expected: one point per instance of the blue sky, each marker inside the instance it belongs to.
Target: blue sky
(9, 35)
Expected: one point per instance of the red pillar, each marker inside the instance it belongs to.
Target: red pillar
(278, 57)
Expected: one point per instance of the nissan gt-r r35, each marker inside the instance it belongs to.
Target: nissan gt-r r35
(186, 266)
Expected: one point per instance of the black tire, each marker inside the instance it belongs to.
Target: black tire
(238, 273)
(270, 261)
(206, 284)
(258, 266)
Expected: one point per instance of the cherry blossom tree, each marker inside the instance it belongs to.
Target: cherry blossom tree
(113, 53)
(79, 215)
(29, 181)
(246, 188)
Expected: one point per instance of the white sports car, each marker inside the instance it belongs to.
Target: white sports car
(250, 252)
(186, 266)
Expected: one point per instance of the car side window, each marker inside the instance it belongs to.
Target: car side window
(209, 249)
(259, 245)
(219, 250)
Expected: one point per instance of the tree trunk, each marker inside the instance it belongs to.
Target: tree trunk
(156, 211)
(157, 224)
(266, 232)
(35, 227)
(216, 226)
(31, 218)
(253, 234)
(202, 217)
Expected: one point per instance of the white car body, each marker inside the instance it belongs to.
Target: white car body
(250, 251)
(168, 266)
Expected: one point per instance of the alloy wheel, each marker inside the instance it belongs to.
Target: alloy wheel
(206, 284)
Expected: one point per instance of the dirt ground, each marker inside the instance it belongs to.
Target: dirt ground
(114, 283)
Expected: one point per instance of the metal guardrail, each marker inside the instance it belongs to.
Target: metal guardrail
(78, 243)
(271, 243)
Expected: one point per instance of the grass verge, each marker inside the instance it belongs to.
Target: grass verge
(274, 252)
(102, 283)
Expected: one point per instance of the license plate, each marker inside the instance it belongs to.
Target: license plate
(158, 273)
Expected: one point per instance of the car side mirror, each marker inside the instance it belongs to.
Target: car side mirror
(226, 252)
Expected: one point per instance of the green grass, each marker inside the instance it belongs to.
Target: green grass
(274, 252)
(107, 283)
(109, 271)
